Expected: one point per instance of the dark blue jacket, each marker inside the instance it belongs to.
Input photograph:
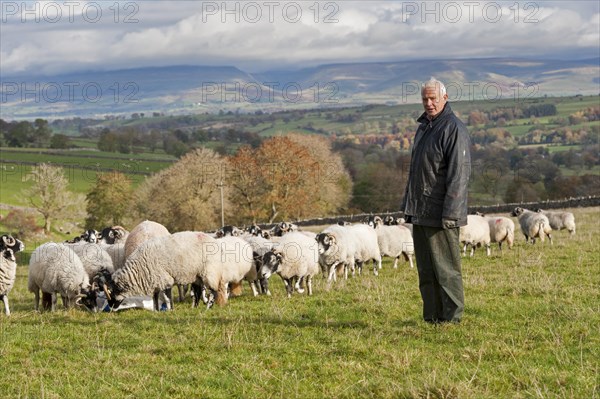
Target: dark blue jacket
(439, 172)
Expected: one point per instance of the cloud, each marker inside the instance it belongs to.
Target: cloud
(39, 38)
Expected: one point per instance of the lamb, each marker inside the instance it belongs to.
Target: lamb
(560, 220)
(295, 259)
(475, 233)
(8, 266)
(533, 224)
(158, 264)
(502, 229)
(56, 268)
(394, 240)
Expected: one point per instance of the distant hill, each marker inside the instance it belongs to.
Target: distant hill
(194, 89)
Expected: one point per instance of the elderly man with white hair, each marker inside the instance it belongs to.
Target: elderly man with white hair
(435, 202)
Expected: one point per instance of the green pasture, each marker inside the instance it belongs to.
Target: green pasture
(14, 179)
(530, 330)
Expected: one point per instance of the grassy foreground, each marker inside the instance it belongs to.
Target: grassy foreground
(531, 330)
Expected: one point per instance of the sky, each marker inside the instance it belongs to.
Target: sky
(57, 37)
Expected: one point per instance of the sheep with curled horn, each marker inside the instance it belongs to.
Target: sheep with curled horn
(8, 267)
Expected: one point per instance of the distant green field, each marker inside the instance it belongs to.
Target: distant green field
(530, 330)
(124, 165)
(13, 180)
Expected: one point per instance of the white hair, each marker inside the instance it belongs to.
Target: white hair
(434, 83)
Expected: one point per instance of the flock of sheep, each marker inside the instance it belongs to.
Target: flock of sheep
(116, 265)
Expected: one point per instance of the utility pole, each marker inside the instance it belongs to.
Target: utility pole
(220, 185)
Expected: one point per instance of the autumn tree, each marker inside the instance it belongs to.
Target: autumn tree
(288, 177)
(50, 196)
(185, 196)
(109, 201)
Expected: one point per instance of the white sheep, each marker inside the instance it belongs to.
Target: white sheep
(533, 224)
(336, 249)
(236, 256)
(296, 259)
(117, 254)
(56, 268)
(560, 220)
(394, 241)
(502, 229)
(93, 256)
(475, 233)
(366, 246)
(160, 263)
(8, 266)
(141, 233)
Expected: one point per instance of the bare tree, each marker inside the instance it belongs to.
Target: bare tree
(50, 196)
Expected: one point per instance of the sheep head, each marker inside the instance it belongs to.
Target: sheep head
(517, 211)
(270, 264)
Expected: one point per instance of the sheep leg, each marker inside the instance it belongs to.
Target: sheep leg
(309, 284)
(550, 238)
(253, 288)
(332, 273)
(488, 249)
(211, 300)
(289, 287)
(375, 268)
(36, 300)
(155, 300)
(168, 296)
(182, 289)
(264, 286)
(299, 285)
(222, 293)
(6, 307)
(396, 262)
(53, 300)
(197, 290)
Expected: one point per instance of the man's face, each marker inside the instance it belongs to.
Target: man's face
(433, 102)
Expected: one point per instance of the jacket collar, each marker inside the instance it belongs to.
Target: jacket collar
(446, 111)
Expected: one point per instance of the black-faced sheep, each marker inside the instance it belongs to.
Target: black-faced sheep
(113, 235)
(296, 259)
(160, 263)
(8, 267)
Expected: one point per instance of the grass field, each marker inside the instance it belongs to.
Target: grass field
(530, 330)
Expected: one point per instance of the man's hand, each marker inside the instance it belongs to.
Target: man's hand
(448, 224)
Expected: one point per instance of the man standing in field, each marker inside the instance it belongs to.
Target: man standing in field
(435, 202)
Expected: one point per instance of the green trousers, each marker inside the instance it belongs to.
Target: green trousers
(440, 279)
